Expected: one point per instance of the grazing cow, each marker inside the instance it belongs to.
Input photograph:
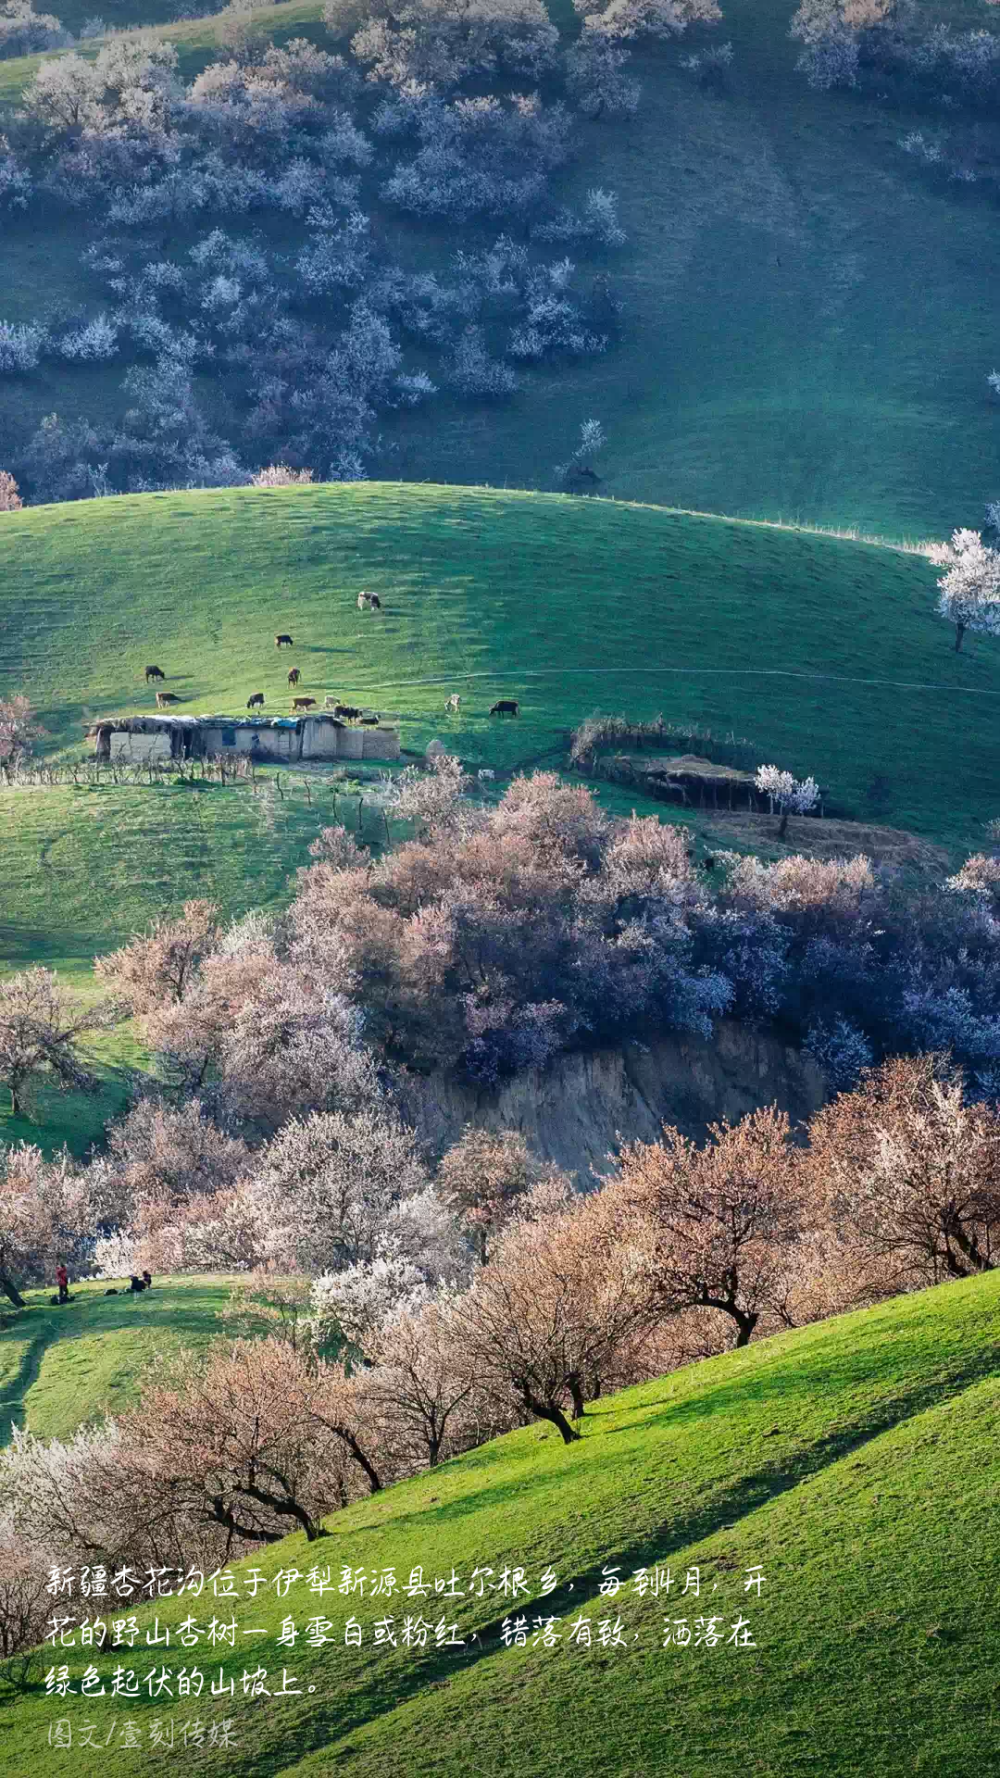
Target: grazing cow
(256, 701)
(303, 703)
(283, 641)
(505, 707)
(369, 602)
(451, 704)
(154, 673)
(163, 698)
(371, 721)
(349, 712)
(294, 676)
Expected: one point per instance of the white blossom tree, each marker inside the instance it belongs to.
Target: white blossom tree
(351, 1305)
(970, 587)
(788, 795)
(580, 464)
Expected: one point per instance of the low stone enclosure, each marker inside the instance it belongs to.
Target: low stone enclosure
(688, 779)
(272, 740)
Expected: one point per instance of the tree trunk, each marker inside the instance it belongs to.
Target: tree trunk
(783, 823)
(959, 633)
(374, 1479)
(556, 1417)
(576, 1390)
(746, 1320)
(969, 1246)
(284, 1506)
(10, 1290)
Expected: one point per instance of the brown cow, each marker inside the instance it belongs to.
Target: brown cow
(283, 641)
(294, 676)
(163, 698)
(154, 673)
(256, 701)
(303, 703)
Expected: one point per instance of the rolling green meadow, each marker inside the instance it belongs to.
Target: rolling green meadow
(83, 869)
(824, 652)
(852, 1462)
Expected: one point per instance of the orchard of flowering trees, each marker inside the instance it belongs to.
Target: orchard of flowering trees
(400, 1305)
(412, 1344)
(497, 936)
(309, 341)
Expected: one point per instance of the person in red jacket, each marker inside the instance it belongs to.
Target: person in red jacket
(62, 1279)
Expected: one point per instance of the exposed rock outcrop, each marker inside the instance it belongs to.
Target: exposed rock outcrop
(579, 1109)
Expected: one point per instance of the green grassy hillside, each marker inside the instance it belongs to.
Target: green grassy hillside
(851, 1461)
(825, 653)
(62, 1367)
(809, 318)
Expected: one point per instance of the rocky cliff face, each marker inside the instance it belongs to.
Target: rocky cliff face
(579, 1110)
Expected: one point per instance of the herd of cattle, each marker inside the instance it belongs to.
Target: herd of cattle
(341, 712)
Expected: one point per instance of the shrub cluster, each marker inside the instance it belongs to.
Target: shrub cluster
(875, 44)
(495, 937)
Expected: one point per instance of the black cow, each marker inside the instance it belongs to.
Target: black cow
(154, 673)
(256, 701)
(505, 707)
(283, 641)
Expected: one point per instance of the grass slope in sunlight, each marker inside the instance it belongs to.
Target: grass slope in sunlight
(826, 653)
(60, 1367)
(853, 1462)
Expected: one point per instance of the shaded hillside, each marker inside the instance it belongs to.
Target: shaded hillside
(809, 319)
